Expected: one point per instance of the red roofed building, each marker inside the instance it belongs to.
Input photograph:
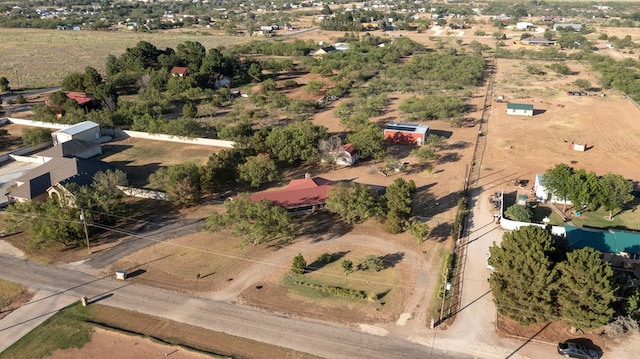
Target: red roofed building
(305, 195)
(179, 71)
(80, 97)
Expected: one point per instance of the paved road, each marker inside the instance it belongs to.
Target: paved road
(11, 95)
(316, 338)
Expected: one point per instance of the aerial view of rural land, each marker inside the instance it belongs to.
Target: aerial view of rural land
(444, 179)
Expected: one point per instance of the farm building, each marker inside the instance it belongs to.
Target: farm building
(524, 25)
(519, 109)
(86, 131)
(408, 133)
(348, 156)
(542, 194)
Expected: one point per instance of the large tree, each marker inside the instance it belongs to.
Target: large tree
(353, 202)
(523, 280)
(295, 142)
(258, 170)
(585, 189)
(47, 222)
(556, 181)
(586, 292)
(255, 222)
(615, 191)
(399, 201)
(369, 141)
(181, 183)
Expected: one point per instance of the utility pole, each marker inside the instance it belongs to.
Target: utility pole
(86, 232)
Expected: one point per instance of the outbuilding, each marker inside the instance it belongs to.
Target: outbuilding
(86, 131)
(519, 109)
(542, 193)
(408, 133)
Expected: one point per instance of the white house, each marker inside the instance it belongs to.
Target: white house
(542, 193)
(348, 156)
(524, 25)
(519, 109)
(86, 131)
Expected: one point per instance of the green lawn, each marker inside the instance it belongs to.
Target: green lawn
(629, 219)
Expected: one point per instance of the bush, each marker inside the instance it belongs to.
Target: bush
(35, 136)
(622, 325)
(20, 99)
(371, 262)
(289, 83)
(325, 258)
(519, 213)
(299, 264)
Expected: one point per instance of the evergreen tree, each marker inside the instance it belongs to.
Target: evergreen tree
(353, 202)
(586, 290)
(523, 280)
(299, 264)
(399, 199)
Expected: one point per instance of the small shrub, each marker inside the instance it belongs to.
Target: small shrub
(289, 83)
(371, 262)
(20, 99)
(299, 264)
(622, 325)
(347, 266)
(325, 258)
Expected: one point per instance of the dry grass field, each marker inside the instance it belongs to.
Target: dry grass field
(32, 58)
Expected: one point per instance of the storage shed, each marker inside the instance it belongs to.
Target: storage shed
(86, 131)
(408, 133)
(519, 109)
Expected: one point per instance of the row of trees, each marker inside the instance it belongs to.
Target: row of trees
(537, 280)
(588, 190)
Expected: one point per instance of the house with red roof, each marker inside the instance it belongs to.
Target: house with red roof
(348, 156)
(305, 195)
(179, 71)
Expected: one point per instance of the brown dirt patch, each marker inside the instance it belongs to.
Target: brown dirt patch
(18, 302)
(551, 332)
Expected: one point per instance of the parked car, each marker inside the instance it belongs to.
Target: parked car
(575, 350)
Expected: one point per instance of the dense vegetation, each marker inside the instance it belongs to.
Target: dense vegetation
(536, 280)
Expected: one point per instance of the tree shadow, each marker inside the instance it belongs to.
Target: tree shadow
(448, 157)
(443, 133)
(381, 295)
(399, 150)
(390, 260)
(319, 263)
(321, 226)
(441, 231)
(458, 145)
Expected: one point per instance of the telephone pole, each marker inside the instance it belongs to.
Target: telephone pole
(86, 232)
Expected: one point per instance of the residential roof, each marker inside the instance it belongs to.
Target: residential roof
(519, 106)
(59, 170)
(537, 41)
(71, 148)
(179, 70)
(407, 127)
(606, 241)
(351, 149)
(78, 128)
(80, 97)
(301, 192)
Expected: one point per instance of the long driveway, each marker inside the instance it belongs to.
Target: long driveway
(320, 339)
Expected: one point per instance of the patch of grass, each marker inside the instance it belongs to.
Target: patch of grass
(438, 262)
(67, 329)
(629, 219)
(9, 291)
(73, 327)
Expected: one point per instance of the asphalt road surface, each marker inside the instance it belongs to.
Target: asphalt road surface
(312, 337)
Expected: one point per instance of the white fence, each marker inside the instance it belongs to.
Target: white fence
(18, 155)
(127, 133)
(144, 193)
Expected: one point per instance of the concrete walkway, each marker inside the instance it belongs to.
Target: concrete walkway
(24, 319)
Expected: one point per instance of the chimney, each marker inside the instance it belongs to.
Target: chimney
(307, 175)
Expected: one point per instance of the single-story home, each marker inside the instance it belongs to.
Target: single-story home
(537, 41)
(305, 195)
(179, 71)
(408, 133)
(86, 131)
(542, 193)
(519, 109)
(621, 248)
